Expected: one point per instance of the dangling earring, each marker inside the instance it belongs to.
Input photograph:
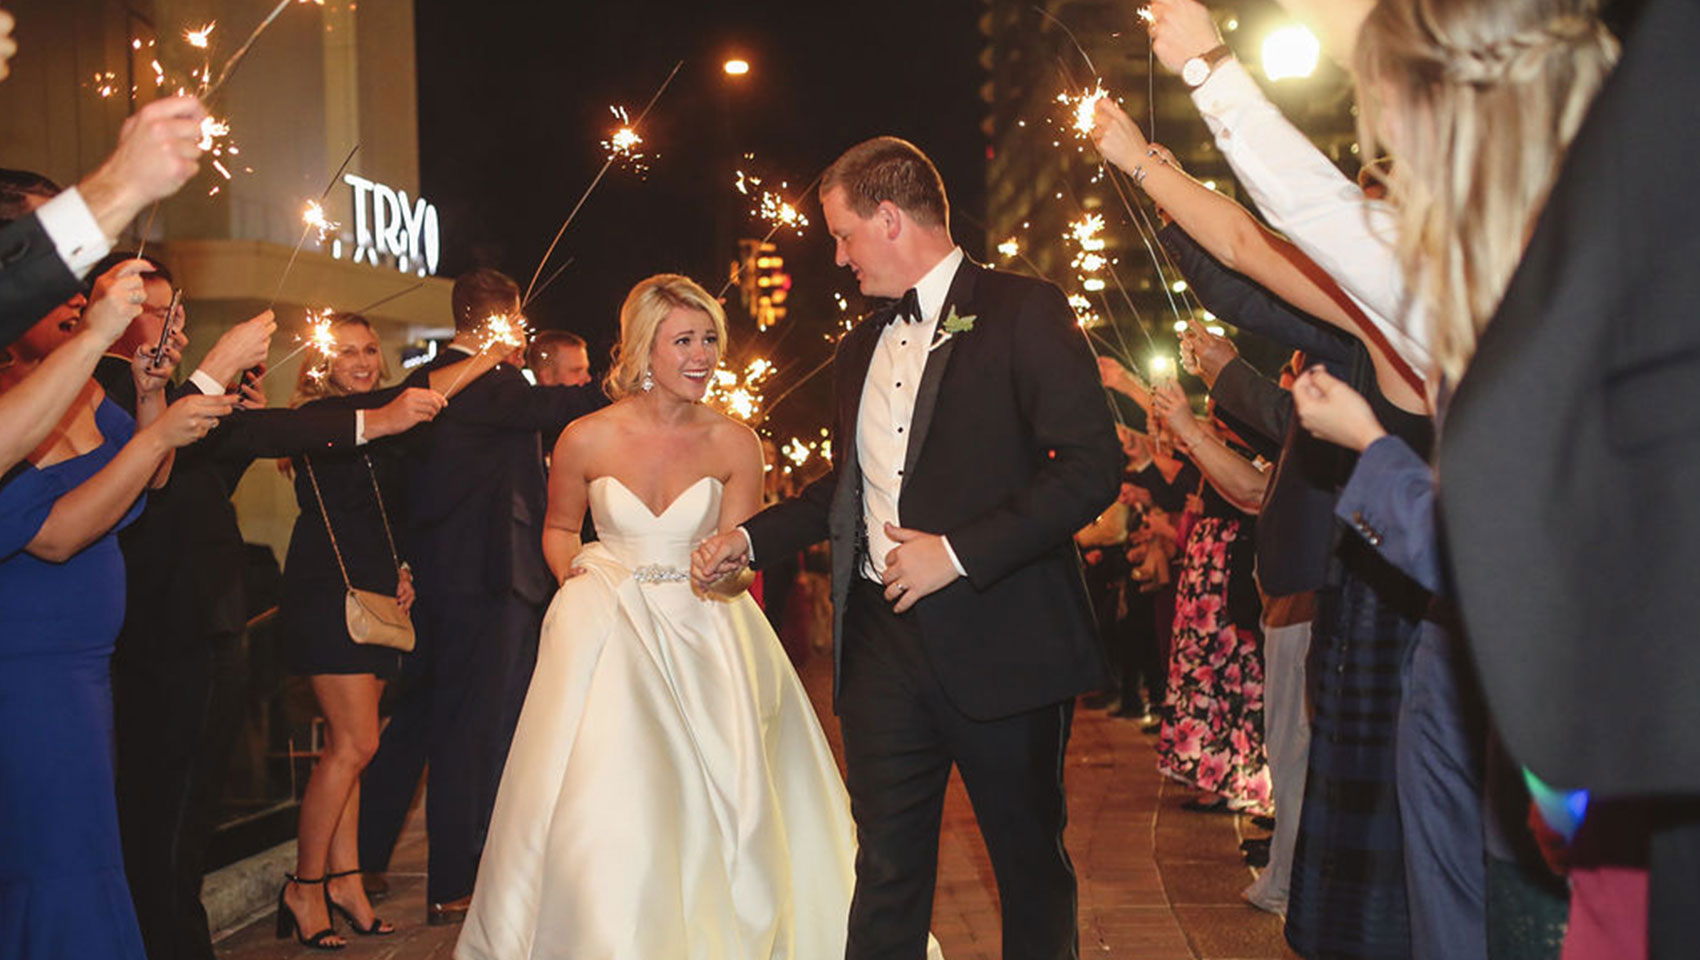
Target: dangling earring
(648, 383)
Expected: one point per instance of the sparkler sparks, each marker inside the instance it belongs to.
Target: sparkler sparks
(1084, 108)
(212, 130)
(623, 145)
(199, 38)
(1010, 249)
(740, 395)
(314, 217)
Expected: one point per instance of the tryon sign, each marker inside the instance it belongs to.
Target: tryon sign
(390, 227)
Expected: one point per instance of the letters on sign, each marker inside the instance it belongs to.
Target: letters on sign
(390, 226)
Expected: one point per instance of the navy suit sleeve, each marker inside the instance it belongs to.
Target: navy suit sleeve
(33, 278)
(1253, 399)
(1390, 502)
(1238, 300)
(1055, 379)
(504, 400)
(802, 521)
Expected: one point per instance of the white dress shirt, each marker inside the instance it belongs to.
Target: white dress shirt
(888, 406)
(1307, 198)
(75, 234)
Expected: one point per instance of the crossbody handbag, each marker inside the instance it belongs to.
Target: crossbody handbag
(373, 618)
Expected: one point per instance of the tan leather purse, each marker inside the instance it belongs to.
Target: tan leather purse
(374, 618)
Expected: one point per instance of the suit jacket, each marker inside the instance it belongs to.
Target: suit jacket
(33, 278)
(1011, 450)
(476, 494)
(1572, 447)
(1296, 535)
(185, 557)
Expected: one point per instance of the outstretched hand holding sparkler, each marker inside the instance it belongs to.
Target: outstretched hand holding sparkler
(499, 337)
(158, 151)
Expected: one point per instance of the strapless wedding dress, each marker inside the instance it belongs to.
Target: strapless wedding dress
(669, 794)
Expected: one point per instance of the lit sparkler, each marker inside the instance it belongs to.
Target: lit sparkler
(499, 331)
(623, 145)
(319, 338)
(1084, 108)
(1010, 249)
(315, 219)
(199, 38)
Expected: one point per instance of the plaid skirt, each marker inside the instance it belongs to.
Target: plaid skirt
(1347, 899)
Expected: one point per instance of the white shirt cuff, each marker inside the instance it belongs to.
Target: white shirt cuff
(951, 552)
(74, 232)
(205, 381)
(749, 547)
(359, 428)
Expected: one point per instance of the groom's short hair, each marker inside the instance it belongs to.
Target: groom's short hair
(481, 293)
(889, 168)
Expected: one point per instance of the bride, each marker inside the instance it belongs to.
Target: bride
(669, 793)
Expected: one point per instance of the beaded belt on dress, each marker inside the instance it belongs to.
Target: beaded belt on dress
(659, 573)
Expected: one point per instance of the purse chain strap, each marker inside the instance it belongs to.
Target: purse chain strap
(382, 514)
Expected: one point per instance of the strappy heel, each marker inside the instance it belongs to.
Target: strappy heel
(332, 908)
(288, 924)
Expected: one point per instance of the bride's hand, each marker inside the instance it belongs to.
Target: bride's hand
(574, 571)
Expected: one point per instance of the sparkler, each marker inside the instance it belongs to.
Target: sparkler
(497, 330)
(319, 337)
(1084, 108)
(774, 215)
(314, 219)
(740, 395)
(242, 51)
(612, 157)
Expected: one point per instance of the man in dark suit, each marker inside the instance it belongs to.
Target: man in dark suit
(175, 669)
(47, 248)
(972, 441)
(476, 498)
(1569, 462)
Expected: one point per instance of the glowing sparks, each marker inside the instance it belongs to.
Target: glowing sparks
(624, 145)
(738, 395)
(1010, 249)
(199, 38)
(105, 83)
(1083, 312)
(1087, 232)
(1084, 108)
(315, 219)
(501, 330)
(212, 131)
(779, 212)
(1145, 14)
(796, 451)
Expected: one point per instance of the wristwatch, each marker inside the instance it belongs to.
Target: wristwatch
(1197, 70)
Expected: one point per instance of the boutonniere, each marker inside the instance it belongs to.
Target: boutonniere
(953, 324)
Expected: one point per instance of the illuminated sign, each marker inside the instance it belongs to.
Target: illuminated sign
(391, 228)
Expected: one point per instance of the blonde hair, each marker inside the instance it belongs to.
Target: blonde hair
(640, 316)
(313, 381)
(1488, 96)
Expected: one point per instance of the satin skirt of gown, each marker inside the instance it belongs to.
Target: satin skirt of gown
(669, 794)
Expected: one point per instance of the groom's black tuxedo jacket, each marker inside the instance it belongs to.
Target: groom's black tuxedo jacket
(476, 492)
(1011, 451)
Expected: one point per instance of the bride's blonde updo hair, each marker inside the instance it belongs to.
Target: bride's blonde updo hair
(646, 306)
(1482, 100)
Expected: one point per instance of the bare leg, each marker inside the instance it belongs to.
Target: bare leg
(347, 891)
(350, 706)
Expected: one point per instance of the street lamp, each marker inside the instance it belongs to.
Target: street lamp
(736, 68)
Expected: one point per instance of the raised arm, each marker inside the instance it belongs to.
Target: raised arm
(1234, 477)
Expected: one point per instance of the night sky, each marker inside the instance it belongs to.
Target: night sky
(513, 104)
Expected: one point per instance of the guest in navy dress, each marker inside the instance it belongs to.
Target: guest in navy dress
(62, 890)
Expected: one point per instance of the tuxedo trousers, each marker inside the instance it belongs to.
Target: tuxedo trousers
(454, 717)
(901, 737)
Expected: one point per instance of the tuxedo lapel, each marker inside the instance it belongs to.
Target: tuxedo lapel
(961, 296)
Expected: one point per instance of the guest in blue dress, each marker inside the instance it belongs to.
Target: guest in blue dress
(62, 890)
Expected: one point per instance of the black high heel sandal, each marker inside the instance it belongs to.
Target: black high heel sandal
(287, 923)
(332, 908)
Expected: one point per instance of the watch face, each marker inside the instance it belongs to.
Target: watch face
(1195, 71)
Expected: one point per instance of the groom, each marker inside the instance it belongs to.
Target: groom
(972, 441)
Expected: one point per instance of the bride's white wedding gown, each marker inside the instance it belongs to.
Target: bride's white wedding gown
(669, 794)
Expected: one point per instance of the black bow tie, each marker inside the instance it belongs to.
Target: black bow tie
(909, 307)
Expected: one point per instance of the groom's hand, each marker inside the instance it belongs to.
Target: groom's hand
(919, 565)
(718, 557)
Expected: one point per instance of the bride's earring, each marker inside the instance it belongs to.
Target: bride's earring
(648, 383)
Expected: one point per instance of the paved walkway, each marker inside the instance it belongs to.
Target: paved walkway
(1156, 882)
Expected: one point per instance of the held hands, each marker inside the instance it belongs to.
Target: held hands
(1204, 354)
(153, 371)
(404, 595)
(1333, 411)
(1117, 137)
(1181, 30)
(411, 407)
(1171, 404)
(242, 346)
(918, 566)
(719, 557)
(191, 418)
(116, 300)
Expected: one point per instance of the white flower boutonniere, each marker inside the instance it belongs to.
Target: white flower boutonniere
(953, 324)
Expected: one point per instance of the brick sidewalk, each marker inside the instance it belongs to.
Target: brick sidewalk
(1156, 883)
